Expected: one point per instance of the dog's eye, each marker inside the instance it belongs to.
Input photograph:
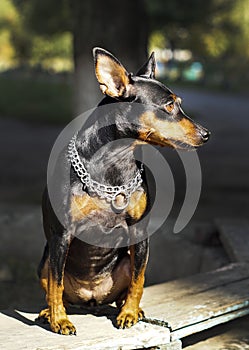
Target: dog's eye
(169, 107)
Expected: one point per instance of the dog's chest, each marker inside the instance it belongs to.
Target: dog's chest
(93, 211)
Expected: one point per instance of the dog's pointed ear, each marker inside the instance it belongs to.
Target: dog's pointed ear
(148, 69)
(112, 76)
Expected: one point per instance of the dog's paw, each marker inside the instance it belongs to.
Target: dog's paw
(140, 314)
(44, 316)
(127, 317)
(60, 326)
(63, 326)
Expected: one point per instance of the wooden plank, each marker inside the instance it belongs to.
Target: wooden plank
(195, 300)
(203, 306)
(202, 326)
(234, 235)
(93, 333)
(174, 345)
(178, 289)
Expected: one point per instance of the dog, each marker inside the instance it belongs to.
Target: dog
(108, 190)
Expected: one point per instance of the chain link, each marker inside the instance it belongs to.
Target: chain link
(107, 192)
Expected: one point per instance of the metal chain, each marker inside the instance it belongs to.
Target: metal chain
(103, 191)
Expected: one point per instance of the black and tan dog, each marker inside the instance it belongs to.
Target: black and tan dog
(106, 192)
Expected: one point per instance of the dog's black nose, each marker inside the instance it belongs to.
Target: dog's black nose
(205, 134)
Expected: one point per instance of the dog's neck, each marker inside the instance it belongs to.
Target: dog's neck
(106, 146)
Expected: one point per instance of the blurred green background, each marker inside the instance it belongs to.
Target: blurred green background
(42, 45)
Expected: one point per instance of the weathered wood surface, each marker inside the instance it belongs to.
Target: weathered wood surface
(201, 326)
(234, 235)
(186, 303)
(189, 305)
(19, 332)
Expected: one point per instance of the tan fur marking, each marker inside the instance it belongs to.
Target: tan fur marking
(160, 132)
(82, 206)
(176, 98)
(137, 205)
(59, 321)
(56, 312)
(44, 276)
(188, 126)
(131, 312)
(54, 298)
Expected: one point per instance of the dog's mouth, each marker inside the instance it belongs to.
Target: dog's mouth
(182, 145)
(155, 138)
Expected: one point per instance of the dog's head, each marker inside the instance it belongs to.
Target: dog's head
(163, 122)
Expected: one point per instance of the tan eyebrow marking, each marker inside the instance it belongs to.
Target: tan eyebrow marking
(175, 98)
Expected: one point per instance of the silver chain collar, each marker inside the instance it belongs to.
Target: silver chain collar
(109, 193)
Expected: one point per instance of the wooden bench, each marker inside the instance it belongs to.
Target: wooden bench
(173, 310)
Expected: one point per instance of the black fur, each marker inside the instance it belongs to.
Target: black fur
(110, 163)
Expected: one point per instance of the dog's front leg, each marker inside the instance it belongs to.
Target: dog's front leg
(56, 312)
(131, 312)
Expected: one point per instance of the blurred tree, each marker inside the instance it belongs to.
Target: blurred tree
(54, 52)
(8, 18)
(26, 39)
(118, 26)
(12, 23)
(47, 17)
